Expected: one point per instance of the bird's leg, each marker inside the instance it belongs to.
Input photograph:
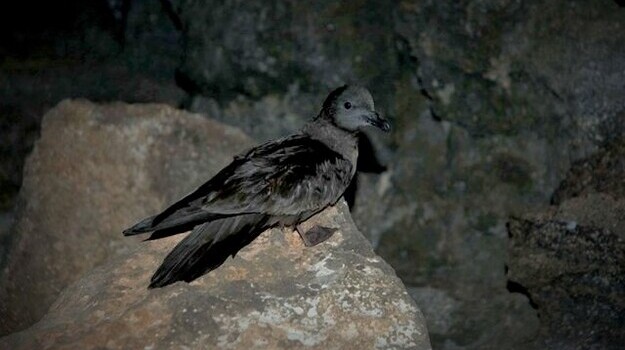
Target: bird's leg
(315, 235)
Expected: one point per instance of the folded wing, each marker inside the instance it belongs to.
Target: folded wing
(279, 178)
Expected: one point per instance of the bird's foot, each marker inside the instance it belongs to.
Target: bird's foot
(315, 235)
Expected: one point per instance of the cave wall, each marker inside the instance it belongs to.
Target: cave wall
(491, 102)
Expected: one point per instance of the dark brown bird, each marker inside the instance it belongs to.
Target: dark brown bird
(282, 182)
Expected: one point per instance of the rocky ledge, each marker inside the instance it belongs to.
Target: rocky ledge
(275, 293)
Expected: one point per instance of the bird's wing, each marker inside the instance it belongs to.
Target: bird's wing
(285, 177)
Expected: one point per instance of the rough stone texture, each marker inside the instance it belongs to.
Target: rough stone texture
(254, 49)
(571, 259)
(96, 170)
(275, 294)
(439, 219)
(491, 102)
(266, 67)
(518, 90)
(267, 118)
(574, 275)
(510, 102)
(602, 172)
(501, 66)
(79, 50)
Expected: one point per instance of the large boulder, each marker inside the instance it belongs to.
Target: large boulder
(275, 294)
(570, 259)
(98, 50)
(96, 170)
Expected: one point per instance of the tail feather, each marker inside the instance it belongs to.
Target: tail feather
(207, 247)
(154, 223)
(142, 226)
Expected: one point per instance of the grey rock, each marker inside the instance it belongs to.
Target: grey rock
(437, 306)
(600, 173)
(106, 56)
(504, 66)
(94, 171)
(570, 259)
(574, 275)
(269, 117)
(275, 293)
(519, 90)
(255, 49)
(439, 219)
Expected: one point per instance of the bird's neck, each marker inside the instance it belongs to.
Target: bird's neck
(339, 140)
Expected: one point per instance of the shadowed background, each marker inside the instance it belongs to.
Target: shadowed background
(492, 102)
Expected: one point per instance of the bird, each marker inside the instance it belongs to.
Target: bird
(281, 182)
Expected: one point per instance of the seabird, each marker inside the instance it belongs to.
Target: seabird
(279, 183)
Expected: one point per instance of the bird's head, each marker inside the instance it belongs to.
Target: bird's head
(351, 108)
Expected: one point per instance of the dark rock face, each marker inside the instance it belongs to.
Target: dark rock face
(78, 50)
(505, 83)
(262, 47)
(574, 275)
(501, 66)
(603, 173)
(491, 103)
(518, 91)
(571, 259)
(275, 294)
(95, 171)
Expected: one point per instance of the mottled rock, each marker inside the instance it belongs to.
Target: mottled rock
(262, 47)
(96, 170)
(602, 172)
(439, 220)
(574, 275)
(518, 91)
(275, 294)
(101, 51)
(267, 118)
(513, 102)
(570, 259)
(504, 66)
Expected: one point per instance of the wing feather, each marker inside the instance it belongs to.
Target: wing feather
(286, 177)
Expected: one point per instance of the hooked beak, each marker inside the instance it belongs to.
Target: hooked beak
(379, 122)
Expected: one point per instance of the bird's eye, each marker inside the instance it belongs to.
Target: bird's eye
(347, 105)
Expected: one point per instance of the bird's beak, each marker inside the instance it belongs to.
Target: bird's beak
(379, 122)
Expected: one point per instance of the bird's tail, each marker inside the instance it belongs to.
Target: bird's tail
(207, 247)
(142, 226)
(182, 220)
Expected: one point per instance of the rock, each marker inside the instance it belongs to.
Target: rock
(270, 117)
(602, 172)
(92, 50)
(503, 66)
(490, 104)
(570, 259)
(266, 47)
(513, 105)
(438, 215)
(275, 294)
(574, 276)
(96, 170)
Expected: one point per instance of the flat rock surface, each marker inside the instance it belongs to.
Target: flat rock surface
(96, 170)
(275, 294)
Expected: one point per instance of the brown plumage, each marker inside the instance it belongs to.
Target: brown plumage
(281, 182)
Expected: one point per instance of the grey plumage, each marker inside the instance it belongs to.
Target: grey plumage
(281, 182)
